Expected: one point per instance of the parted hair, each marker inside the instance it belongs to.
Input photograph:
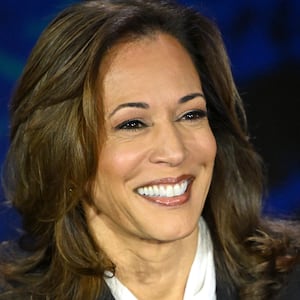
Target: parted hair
(57, 130)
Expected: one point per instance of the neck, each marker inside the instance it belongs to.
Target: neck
(149, 269)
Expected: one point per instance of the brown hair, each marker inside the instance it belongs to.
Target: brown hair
(57, 133)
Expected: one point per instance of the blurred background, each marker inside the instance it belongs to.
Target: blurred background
(263, 42)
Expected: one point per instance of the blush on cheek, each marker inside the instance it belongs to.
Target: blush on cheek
(210, 144)
(127, 157)
(206, 148)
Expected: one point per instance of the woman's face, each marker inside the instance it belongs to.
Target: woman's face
(156, 165)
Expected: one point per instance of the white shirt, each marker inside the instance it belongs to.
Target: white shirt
(201, 283)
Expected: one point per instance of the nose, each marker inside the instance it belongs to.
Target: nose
(168, 146)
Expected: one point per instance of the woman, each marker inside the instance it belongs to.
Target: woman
(131, 166)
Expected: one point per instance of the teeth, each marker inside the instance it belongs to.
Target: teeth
(169, 190)
(156, 190)
(162, 191)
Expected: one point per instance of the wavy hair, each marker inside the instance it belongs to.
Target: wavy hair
(57, 131)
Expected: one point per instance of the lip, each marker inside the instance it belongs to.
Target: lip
(171, 201)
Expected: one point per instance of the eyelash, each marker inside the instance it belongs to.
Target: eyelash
(190, 116)
(193, 115)
(131, 125)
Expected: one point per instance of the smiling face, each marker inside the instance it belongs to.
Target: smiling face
(156, 164)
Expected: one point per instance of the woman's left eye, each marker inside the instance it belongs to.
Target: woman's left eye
(194, 115)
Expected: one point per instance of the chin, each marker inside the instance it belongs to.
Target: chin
(173, 232)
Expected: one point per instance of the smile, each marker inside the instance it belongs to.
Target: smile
(163, 190)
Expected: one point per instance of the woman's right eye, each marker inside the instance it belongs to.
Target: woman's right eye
(131, 125)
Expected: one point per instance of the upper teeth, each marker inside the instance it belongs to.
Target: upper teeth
(169, 190)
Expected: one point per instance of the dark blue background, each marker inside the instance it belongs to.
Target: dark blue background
(263, 42)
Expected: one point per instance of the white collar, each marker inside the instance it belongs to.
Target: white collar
(201, 283)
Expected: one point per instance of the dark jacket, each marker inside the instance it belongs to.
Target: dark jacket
(290, 291)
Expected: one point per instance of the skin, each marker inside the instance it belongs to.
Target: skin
(165, 136)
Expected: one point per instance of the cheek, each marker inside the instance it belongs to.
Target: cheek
(205, 147)
(120, 160)
(211, 146)
(118, 164)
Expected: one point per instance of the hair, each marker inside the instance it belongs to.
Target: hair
(57, 133)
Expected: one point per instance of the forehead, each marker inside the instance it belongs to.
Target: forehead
(154, 62)
(140, 48)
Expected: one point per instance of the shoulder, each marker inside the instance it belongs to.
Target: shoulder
(7, 248)
(290, 238)
(4, 285)
(291, 288)
(10, 252)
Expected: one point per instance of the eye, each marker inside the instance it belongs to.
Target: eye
(194, 115)
(131, 125)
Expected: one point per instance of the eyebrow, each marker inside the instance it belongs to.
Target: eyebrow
(130, 104)
(190, 97)
(144, 105)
